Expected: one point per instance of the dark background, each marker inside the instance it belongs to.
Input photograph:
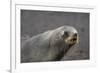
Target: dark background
(34, 22)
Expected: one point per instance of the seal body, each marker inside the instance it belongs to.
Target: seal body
(49, 46)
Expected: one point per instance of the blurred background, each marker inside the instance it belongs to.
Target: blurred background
(35, 22)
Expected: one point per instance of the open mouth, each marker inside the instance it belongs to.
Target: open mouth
(72, 40)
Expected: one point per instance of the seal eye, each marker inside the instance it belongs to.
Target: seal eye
(75, 35)
(65, 34)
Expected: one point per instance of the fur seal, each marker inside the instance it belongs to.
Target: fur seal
(50, 45)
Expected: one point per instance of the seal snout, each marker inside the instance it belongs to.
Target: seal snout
(70, 38)
(74, 38)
